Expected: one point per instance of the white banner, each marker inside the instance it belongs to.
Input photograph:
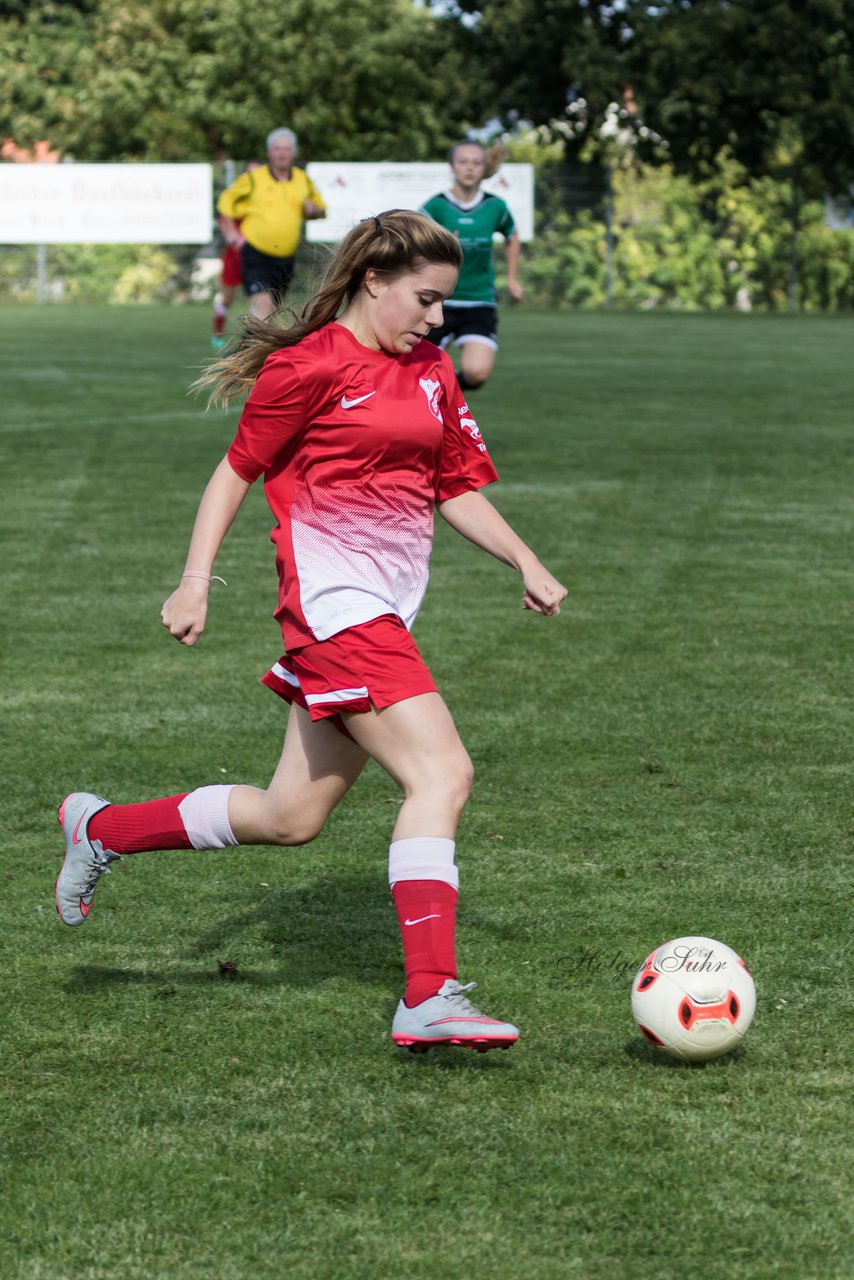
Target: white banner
(106, 203)
(354, 191)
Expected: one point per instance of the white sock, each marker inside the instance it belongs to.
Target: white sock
(204, 813)
(422, 858)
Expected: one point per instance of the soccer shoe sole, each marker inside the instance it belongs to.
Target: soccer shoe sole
(481, 1044)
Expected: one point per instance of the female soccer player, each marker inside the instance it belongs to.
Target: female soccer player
(359, 429)
(474, 217)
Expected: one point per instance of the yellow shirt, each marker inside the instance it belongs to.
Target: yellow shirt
(271, 211)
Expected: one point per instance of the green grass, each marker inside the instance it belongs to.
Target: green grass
(672, 755)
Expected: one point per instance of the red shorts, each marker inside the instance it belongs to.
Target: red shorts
(372, 665)
(231, 275)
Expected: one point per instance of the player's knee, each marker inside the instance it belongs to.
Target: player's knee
(296, 826)
(472, 380)
(445, 786)
(458, 783)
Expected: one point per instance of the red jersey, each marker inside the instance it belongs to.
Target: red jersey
(356, 448)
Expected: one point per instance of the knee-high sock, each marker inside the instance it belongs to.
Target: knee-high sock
(220, 315)
(424, 881)
(194, 820)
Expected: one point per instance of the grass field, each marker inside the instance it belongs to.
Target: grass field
(672, 755)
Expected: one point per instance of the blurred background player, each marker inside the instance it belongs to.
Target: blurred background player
(230, 279)
(474, 216)
(262, 215)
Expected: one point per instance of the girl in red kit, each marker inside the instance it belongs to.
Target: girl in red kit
(360, 431)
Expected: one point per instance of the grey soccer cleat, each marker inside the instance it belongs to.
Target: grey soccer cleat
(85, 859)
(449, 1018)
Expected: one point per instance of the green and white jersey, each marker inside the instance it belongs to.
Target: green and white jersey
(474, 225)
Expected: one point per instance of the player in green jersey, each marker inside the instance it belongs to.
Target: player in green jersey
(474, 216)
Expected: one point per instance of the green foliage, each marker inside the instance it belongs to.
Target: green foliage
(91, 273)
(199, 79)
(770, 80)
(532, 54)
(185, 80)
(721, 243)
(565, 265)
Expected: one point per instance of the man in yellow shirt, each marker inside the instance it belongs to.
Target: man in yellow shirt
(270, 205)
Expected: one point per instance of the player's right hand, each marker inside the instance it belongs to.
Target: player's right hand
(185, 612)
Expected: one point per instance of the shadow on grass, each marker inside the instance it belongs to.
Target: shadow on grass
(645, 1054)
(89, 979)
(331, 928)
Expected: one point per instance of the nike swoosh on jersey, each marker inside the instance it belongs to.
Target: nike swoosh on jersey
(349, 404)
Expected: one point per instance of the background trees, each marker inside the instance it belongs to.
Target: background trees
(198, 79)
(745, 107)
(768, 80)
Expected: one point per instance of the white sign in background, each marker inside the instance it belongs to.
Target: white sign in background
(354, 191)
(173, 203)
(106, 203)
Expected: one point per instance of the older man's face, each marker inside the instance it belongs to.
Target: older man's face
(280, 153)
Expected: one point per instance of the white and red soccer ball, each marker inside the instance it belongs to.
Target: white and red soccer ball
(693, 998)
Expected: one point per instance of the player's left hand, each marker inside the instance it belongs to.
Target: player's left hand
(543, 593)
(515, 290)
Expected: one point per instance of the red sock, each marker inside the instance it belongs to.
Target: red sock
(134, 828)
(426, 912)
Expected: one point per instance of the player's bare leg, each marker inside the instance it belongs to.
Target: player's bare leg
(222, 305)
(263, 305)
(317, 768)
(417, 743)
(476, 362)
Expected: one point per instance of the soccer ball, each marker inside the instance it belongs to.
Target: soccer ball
(693, 998)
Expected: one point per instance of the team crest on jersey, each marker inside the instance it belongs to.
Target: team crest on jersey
(431, 389)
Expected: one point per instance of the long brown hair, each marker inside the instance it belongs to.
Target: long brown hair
(391, 243)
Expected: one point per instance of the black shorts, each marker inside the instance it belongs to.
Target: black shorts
(263, 273)
(467, 324)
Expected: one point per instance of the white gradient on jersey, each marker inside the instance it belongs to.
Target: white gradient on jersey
(360, 554)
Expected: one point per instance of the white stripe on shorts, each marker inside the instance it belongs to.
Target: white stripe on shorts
(474, 337)
(283, 674)
(336, 695)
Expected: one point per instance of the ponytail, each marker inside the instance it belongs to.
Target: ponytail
(390, 244)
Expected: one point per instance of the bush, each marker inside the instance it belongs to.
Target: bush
(91, 273)
(724, 243)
